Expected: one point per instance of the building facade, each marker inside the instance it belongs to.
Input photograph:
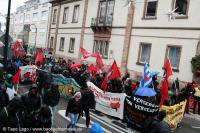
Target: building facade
(144, 31)
(30, 22)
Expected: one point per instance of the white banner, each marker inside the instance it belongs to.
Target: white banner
(30, 70)
(108, 103)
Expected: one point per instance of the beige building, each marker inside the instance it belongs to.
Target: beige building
(33, 16)
(144, 31)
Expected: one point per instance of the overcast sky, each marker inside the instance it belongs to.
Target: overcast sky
(4, 7)
(14, 5)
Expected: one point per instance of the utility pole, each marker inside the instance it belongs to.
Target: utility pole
(7, 34)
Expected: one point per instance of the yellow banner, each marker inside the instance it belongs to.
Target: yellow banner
(68, 90)
(174, 114)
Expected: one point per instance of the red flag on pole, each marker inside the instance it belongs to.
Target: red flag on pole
(39, 58)
(99, 62)
(15, 78)
(86, 54)
(18, 50)
(112, 73)
(92, 69)
(73, 66)
(165, 83)
(168, 68)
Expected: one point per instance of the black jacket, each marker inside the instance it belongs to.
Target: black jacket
(88, 99)
(31, 103)
(4, 99)
(51, 96)
(74, 107)
(156, 126)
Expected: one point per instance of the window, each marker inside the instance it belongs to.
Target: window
(110, 9)
(35, 16)
(182, 6)
(42, 28)
(65, 15)
(101, 47)
(44, 15)
(54, 16)
(51, 42)
(71, 45)
(102, 9)
(151, 8)
(62, 42)
(21, 18)
(144, 53)
(27, 18)
(75, 14)
(174, 53)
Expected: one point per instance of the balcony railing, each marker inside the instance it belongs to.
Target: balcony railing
(102, 21)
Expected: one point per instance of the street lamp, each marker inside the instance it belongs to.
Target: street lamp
(35, 34)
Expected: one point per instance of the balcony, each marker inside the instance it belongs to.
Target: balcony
(102, 23)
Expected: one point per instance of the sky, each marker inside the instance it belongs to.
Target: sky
(4, 7)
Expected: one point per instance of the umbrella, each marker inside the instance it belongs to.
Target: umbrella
(1, 65)
(154, 73)
(145, 92)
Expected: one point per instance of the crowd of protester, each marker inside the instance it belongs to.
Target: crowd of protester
(37, 107)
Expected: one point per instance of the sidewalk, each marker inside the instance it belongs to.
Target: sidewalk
(193, 116)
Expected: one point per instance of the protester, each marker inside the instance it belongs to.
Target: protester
(88, 102)
(51, 98)
(157, 124)
(9, 115)
(196, 100)
(74, 108)
(10, 89)
(32, 103)
(43, 119)
(4, 98)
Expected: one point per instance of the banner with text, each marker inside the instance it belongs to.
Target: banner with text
(137, 110)
(175, 114)
(108, 103)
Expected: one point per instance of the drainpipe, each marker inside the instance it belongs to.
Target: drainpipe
(127, 40)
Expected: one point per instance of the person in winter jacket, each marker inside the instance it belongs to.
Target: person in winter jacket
(196, 100)
(4, 99)
(43, 118)
(51, 98)
(32, 103)
(74, 108)
(88, 102)
(9, 115)
(157, 124)
(10, 89)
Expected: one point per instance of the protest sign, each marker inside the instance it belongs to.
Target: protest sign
(175, 114)
(27, 72)
(137, 110)
(108, 103)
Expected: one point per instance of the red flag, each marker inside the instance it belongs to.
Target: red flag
(15, 78)
(18, 50)
(92, 69)
(39, 58)
(99, 62)
(165, 83)
(73, 66)
(112, 73)
(104, 84)
(86, 54)
(168, 69)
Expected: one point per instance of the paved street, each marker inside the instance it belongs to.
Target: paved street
(190, 123)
